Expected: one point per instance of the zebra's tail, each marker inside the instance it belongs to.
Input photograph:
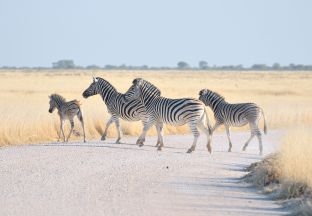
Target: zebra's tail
(265, 128)
(208, 122)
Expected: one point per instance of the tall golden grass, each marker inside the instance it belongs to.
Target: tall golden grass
(295, 156)
(284, 96)
(287, 173)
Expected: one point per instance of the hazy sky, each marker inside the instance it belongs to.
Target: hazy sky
(155, 32)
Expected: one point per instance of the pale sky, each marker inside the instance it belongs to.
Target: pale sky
(155, 32)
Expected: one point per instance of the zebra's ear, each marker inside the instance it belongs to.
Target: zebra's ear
(137, 81)
(94, 78)
(203, 92)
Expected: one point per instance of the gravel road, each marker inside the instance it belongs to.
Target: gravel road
(103, 178)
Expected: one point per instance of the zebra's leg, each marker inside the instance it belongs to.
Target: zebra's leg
(146, 127)
(82, 125)
(257, 132)
(215, 127)
(62, 129)
(160, 133)
(59, 133)
(202, 127)
(158, 137)
(109, 122)
(196, 135)
(71, 128)
(227, 128)
(260, 142)
(254, 132)
(247, 142)
(117, 123)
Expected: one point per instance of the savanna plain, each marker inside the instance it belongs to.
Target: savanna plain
(284, 96)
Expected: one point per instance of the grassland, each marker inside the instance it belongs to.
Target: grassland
(284, 96)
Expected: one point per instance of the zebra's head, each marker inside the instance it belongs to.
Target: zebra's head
(55, 101)
(134, 92)
(209, 97)
(92, 89)
(52, 104)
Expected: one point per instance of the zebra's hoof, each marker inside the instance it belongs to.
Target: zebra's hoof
(229, 150)
(159, 148)
(103, 138)
(189, 151)
(140, 142)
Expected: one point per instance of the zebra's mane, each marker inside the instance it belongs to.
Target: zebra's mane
(57, 97)
(106, 83)
(148, 86)
(211, 93)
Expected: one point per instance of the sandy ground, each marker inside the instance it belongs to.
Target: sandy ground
(102, 178)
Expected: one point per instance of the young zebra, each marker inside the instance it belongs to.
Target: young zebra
(163, 110)
(66, 110)
(132, 111)
(234, 115)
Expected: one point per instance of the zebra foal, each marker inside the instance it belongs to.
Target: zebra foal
(234, 115)
(163, 110)
(66, 110)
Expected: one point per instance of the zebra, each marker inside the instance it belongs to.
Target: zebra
(234, 115)
(66, 110)
(163, 110)
(132, 111)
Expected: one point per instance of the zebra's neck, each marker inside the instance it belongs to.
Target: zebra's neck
(58, 103)
(216, 103)
(149, 95)
(107, 91)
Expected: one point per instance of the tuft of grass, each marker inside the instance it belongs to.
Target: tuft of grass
(287, 174)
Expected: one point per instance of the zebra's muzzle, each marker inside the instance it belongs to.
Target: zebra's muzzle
(50, 110)
(85, 95)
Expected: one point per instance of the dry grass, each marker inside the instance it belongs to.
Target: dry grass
(287, 174)
(295, 156)
(284, 96)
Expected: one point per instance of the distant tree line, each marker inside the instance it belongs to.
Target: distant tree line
(181, 65)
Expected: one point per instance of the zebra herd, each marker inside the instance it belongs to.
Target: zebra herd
(143, 102)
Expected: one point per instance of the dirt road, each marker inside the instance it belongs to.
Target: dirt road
(102, 178)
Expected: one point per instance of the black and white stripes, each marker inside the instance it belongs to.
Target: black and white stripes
(143, 102)
(66, 110)
(163, 110)
(234, 115)
(132, 111)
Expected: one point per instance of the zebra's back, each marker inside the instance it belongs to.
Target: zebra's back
(70, 108)
(178, 111)
(237, 114)
(131, 111)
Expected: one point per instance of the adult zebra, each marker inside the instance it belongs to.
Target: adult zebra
(234, 115)
(66, 110)
(169, 111)
(132, 111)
